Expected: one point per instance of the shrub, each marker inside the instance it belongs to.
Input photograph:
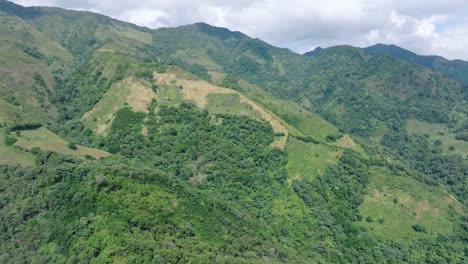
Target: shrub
(72, 145)
(462, 136)
(25, 126)
(35, 150)
(10, 141)
(419, 228)
(307, 139)
(333, 137)
(370, 219)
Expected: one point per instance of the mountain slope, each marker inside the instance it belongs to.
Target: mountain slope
(456, 69)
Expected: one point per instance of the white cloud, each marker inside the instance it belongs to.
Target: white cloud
(426, 27)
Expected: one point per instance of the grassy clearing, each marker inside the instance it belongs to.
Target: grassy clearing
(309, 160)
(47, 140)
(133, 93)
(347, 142)
(192, 90)
(216, 77)
(299, 120)
(439, 132)
(11, 155)
(230, 104)
(169, 95)
(403, 202)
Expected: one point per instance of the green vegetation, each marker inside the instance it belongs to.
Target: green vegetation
(10, 140)
(309, 160)
(9, 154)
(72, 146)
(456, 69)
(225, 149)
(404, 202)
(130, 92)
(44, 139)
(419, 228)
(169, 95)
(442, 136)
(230, 104)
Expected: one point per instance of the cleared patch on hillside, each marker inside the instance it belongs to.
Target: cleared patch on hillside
(47, 140)
(198, 91)
(299, 121)
(11, 155)
(216, 77)
(439, 132)
(396, 203)
(133, 93)
(347, 142)
(309, 160)
(169, 95)
(230, 103)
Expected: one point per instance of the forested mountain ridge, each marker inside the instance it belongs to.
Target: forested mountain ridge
(205, 145)
(457, 69)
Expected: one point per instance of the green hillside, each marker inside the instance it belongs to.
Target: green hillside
(457, 69)
(196, 144)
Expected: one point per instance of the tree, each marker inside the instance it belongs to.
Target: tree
(419, 228)
(10, 141)
(72, 145)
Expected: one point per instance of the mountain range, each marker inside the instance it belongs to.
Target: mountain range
(197, 144)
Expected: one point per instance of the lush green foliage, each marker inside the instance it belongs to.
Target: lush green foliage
(10, 140)
(191, 185)
(428, 160)
(456, 69)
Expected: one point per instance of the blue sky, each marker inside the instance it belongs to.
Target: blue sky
(425, 27)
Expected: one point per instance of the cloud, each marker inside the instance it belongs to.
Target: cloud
(426, 27)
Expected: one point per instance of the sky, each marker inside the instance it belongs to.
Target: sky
(427, 27)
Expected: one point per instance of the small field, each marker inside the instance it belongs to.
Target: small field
(230, 104)
(439, 132)
(396, 203)
(169, 95)
(11, 155)
(309, 160)
(133, 93)
(47, 140)
(347, 142)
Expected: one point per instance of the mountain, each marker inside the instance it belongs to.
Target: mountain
(314, 52)
(125, 144)
(456, 69)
